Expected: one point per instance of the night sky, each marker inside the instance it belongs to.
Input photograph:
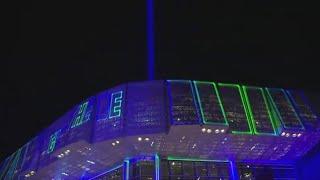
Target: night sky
(56, 54)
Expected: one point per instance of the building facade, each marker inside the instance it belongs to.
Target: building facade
(174, 129)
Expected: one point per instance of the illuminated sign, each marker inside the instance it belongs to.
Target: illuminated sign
(115, 104)
(78, 120)
(53, 141)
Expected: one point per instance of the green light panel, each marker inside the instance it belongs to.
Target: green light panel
(53, 141)
(284, 109)
(211, 108)
(176, 158)
(78, 119)
(235, 108)
(259, 111)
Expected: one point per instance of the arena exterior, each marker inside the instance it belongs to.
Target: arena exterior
(174, 129)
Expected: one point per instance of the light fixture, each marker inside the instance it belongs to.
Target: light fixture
(146, 139)
(203, 129)
(91, 162)
(217, 131)
(209, 130)
(117, 142)
(139, 138)
(222, 130)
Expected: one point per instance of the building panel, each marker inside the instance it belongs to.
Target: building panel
(188, 168)
(284, 109)
(259, 111)
(235, 108)
(254, 171)
(146, 108)
(110, 114)
(210, 103)
(303, 108)
(182, 102)
(112, 174)
(81, 125)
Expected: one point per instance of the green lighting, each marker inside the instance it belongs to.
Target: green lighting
(53, 141)
(176, 158)
(215, 89)
(115, 105)
(244, 104)
(275, 117)
(249, 107)
(78, 120)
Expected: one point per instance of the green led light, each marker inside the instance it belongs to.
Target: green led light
(175, 158)
(78, 120)
(215, 89)
(269, 108)
(53, 141)
(249, 107)
(244, 106)
(116, 104)
(275, 117)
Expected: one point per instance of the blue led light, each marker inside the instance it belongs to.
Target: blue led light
(150, 39)
(107, 171)
(126, 169)
(234, 171)
(116, 104)
(157, 166)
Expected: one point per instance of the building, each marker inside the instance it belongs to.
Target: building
(173, 129)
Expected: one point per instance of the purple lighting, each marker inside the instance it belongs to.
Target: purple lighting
(145, 124)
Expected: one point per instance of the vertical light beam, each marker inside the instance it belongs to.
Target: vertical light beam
(150, 40)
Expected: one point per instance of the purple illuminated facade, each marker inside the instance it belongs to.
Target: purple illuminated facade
(173, 129)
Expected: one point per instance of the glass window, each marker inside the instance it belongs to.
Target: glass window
(176, 169)
(164, 169)
(201, 169)
(188, 170)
